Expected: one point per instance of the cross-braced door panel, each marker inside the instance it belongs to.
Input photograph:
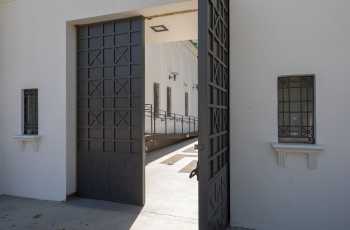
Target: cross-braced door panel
(110, 111)
(214, 114)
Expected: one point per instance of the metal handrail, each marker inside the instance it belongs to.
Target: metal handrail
(169, 123)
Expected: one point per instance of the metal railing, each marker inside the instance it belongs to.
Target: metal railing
(169, 123)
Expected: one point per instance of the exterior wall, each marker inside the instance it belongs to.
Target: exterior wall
(34, 53)
(161, 60)
(1, 126)
(272, 38)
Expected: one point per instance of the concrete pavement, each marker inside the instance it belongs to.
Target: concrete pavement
(171, 203)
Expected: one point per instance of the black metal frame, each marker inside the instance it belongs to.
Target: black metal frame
(30, 112)
(214, 127)
(296, 99)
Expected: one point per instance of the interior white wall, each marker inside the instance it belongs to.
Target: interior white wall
(161, 60)
(164, 58)
(34, 54)
(272, 38)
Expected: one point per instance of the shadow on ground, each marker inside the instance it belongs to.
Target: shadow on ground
(155, 155)
(18, 213)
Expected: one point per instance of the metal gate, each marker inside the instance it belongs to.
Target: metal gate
(214, 114)
(111, 111)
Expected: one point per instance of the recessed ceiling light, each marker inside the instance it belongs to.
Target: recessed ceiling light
(159, 28)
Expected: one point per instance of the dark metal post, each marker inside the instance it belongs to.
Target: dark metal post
(151, 121)
(166, 123)
(174, 124)
(182, 124)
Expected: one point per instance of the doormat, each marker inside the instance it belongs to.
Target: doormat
(190, 167)
(172, 160)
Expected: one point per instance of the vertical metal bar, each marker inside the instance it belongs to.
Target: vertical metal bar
(174, 124)
(151, 121)
(182, 124)
(166, 123)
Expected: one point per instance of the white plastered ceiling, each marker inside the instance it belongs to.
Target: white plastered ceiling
(181, 20)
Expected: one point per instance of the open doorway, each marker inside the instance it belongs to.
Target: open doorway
(112, 103)
(171, 112)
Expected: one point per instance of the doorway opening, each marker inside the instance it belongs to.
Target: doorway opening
(137, 82)
(171, 112)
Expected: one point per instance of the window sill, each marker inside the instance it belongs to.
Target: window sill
(28, 139)
(310, 150)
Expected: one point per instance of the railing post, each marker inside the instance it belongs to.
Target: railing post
(154, 123)
(174, 124)
(182, 124)
(166, 124)
(151, 121)
(194, 124)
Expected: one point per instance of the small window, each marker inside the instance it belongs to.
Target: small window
(156, 99)
(296, 109)
(30, 112)
(186, 104)
(168, 104)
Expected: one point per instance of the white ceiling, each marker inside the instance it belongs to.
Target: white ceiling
(181, 27)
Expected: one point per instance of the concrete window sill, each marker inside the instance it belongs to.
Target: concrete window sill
(310, 150)
(28, 139)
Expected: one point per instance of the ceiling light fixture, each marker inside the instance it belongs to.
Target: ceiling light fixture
(159, 28)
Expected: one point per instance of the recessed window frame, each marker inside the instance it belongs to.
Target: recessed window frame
(30, 112)
(306, 131)
(186, 104)
(168, 101)
(156, 99)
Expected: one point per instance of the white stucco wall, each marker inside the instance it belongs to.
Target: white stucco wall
(33, 54)
(272, 38)
(163, 59)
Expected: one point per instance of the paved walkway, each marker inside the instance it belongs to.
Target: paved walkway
(171, 202)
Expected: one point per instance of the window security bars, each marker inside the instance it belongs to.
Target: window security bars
(186, 104)
(296, 109)
(168, 104)
(156, 96)
(30, 112)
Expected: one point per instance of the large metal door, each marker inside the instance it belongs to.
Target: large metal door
(110, 111)
(214, 114)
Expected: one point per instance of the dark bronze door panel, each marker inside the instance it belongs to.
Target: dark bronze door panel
(214, 114)
(111, 111)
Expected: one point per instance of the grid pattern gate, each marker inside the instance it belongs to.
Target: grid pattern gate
(214, 114)
(111, 111)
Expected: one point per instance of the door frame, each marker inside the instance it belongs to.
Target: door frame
(71, 98)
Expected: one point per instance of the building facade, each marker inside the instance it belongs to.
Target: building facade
(171, 66)
(300, 189)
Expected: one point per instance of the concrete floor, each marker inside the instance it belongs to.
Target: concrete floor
(171, 203)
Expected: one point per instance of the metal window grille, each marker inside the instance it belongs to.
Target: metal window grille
(30, 108)
(296, 109)
(156, 99)
(186, 104)
(168, 104)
